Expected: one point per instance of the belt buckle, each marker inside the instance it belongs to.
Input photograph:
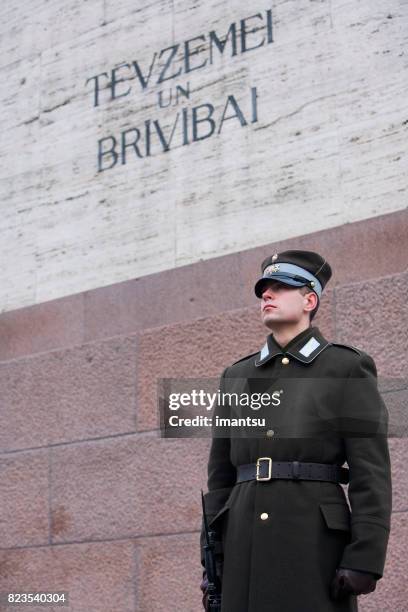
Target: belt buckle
(269, 476)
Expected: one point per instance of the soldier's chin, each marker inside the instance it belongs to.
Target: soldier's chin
(271, 315)
(276, 317)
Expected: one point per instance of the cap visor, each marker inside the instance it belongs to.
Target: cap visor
(261, 283)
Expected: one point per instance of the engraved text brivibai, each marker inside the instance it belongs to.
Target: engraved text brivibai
(190, 125)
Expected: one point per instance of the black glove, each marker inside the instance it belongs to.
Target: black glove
(352, 582)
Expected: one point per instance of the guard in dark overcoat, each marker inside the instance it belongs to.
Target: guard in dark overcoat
(289, 539)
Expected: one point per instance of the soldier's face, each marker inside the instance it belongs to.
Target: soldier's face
(282, 303)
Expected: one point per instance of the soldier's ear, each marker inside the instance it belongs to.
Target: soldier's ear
(311, 299)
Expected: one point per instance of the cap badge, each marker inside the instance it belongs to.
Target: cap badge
(274, 257)
(271, 268)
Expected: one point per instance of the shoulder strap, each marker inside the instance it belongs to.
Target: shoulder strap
(353, 348)
(246, 357)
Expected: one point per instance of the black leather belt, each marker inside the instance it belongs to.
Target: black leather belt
(266, 469)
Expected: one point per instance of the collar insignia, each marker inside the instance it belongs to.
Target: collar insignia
(310, 346)
(305, 352)
(264, 352)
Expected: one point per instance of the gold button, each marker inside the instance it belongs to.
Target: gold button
(270, 433)
(264, 516)
(285, 360)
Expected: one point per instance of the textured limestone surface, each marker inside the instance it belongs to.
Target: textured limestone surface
(298, 125)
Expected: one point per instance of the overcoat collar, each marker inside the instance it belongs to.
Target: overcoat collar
(304, 347)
